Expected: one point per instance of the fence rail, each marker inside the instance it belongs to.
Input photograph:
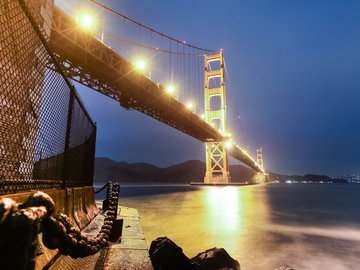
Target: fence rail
(47, 138)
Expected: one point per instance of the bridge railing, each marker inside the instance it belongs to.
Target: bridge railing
(47, 138)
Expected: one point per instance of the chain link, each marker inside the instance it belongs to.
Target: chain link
(20, 224)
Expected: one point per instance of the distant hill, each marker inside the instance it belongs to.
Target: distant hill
(192, 170)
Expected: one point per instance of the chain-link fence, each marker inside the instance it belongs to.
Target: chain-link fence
(47, 138)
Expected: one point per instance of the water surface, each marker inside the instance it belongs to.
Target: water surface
(307, 226)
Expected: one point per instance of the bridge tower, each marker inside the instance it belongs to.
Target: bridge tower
(259, 157)
(217, 167)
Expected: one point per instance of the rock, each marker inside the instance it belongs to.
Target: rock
(166, 255)
(216, 259)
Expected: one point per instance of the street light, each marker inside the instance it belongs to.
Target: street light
(86, 21)
(140, 65)
(228, 144)
(89, 21)
(190, 105)
(170, 89)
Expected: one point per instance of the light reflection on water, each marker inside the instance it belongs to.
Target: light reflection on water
(262, 227)
(222, 207)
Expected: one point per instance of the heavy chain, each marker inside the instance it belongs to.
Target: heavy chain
(59, 233)
(21, 223)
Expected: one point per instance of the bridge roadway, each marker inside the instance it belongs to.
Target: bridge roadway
(87, 60)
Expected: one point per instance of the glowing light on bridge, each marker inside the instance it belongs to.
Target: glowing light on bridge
(190, 105)
(170, 89)
(229, 144)
(140, 64)
(86, 21)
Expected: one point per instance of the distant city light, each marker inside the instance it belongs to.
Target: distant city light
(86, 21)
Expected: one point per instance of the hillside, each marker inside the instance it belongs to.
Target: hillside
(192, 170)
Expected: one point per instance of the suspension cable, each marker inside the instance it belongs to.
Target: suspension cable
(150, 29)
(236, 107)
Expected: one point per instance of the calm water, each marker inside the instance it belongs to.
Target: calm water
(307, 226)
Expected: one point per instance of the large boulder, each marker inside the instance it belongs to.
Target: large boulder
(166, 255)
(216, 259)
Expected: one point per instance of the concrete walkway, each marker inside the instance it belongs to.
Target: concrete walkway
(129, 252)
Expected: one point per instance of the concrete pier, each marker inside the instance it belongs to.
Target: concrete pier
(131, 252)
(128, 251)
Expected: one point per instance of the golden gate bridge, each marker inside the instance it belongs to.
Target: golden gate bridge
(174, 82)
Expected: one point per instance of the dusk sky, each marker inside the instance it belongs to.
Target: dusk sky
(294, 69)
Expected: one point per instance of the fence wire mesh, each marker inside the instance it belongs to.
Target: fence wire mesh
(47, 138)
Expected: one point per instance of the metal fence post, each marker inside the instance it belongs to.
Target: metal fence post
(65, 175)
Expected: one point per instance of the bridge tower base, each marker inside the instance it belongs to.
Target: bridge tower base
(217, 166)
(259, 157)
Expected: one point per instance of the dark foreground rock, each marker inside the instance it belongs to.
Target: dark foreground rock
(166, 255)
(215, 259)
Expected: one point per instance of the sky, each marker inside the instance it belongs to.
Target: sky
(294, 69)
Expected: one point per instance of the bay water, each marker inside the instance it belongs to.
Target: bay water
(305, 226)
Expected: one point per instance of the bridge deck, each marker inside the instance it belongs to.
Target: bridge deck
(90, 62)
(87, 60)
